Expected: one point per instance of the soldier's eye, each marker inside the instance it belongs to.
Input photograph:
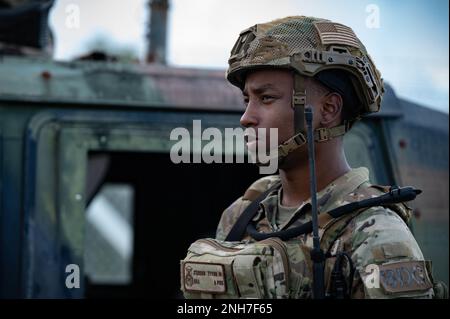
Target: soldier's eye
(267, 98)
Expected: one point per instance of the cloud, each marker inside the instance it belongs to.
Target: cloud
(202, 32)
(123, 25)
(439, 76)
(412, 57)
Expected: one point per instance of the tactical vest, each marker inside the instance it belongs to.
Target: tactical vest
(272, 268)
(266, 269)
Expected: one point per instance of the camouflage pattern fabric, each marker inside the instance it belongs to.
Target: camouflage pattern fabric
(308, 46)
(267, 269)
(378, 239)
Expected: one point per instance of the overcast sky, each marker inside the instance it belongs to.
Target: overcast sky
(408, 39)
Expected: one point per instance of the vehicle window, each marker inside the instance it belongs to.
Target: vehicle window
(108, 252)
(363, 147)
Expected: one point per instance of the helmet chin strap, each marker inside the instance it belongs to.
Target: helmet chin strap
(321, 134)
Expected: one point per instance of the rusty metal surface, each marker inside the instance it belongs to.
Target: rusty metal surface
(87, 82)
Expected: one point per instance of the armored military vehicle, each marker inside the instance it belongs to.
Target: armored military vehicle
(92, 206)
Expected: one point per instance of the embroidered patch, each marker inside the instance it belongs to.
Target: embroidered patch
(204, 277)
(404, 276)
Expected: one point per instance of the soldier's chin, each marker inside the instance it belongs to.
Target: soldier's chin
(265, 160)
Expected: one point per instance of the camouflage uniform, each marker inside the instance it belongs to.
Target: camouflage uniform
(377, 235)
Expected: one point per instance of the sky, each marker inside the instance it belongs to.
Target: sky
(407, 39)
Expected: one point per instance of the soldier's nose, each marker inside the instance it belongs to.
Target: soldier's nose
(249, 118)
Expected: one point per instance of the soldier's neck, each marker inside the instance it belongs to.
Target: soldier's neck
(295, 181)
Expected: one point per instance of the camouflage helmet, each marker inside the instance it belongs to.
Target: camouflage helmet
(308, 46)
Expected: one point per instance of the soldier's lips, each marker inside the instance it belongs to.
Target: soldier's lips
(251, 146)
(251, 141)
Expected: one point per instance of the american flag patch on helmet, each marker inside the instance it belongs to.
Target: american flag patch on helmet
(335, 33)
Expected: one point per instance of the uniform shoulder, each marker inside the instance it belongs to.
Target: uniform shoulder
(367, 191)
(381, 237)
(260, 186)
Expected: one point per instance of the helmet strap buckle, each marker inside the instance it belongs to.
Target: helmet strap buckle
(298, 98)
(322, 134)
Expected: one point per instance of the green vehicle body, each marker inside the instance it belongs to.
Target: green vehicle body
(68, 128)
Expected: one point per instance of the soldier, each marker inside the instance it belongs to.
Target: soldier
(281, 67)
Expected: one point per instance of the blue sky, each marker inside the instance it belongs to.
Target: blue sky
(407, 39)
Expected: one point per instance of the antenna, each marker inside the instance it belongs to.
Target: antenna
(317, 256)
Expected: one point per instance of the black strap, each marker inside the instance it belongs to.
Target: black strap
(244, 224)
(395, 195)
(298, 102)
(240, 226)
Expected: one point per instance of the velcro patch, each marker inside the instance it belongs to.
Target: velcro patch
(404, 277)
(204, 277)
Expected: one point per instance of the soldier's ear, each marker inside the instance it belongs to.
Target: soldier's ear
(331, 110)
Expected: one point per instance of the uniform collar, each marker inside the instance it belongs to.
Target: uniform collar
(328, 198)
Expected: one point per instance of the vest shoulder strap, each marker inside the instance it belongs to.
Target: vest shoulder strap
(332, 228)
(256, 193)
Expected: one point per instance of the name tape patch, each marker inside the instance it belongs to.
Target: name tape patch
(204, 277)
(404, 276)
